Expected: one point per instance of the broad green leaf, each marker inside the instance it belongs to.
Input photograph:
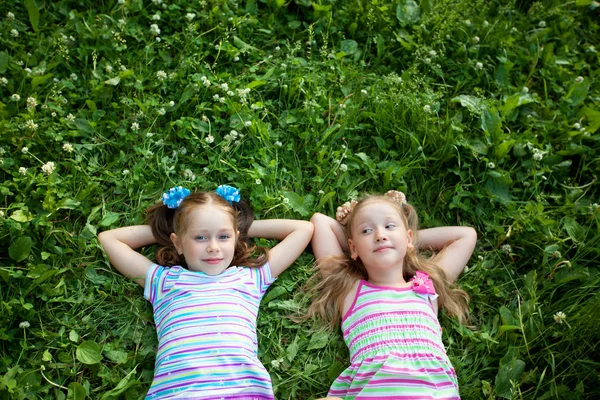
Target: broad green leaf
(503, 148)
(255, 84)
(40, 80)
(89, 352)
(506, 328)
(510, 371)
(292, 349)
(74, 336)
(122, 386)
(474, 104)
(109, 219)
(34, 14)
(408, 12)
(274, 293)
(116, 356)
(68, 204)
(3, 61)
(579, 92)
(319, 7)
(83, 125)
(349, 46)
(324, 199)
(318, 340)
(113, 81)
(21, 216)
(20, 249)
(593, 116)
(507, 316)
(574, 230)
(490, 122)
(76, 391)
(47, 356)
(301, 205)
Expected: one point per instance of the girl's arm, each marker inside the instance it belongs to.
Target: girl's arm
(329, 238)
(119, 245)
(294, 235)
(456, 244)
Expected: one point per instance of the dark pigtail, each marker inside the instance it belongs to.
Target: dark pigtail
(160, 219)
(245, 217)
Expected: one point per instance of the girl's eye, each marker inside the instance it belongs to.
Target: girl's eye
(224, 237)
(200, 237)
(367, 230)
(390, 226)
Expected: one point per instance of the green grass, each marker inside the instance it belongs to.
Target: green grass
(484, 113)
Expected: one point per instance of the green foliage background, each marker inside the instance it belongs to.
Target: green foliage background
(485, 113)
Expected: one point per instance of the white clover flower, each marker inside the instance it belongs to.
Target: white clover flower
(216, 97)
(579, 79)
(514, 30)
(158, 39)
(343, 167)
(48, 168)
(31, 102)
(233, 133)
(427, 60)
(68, 147)
(286, 200)
(321, 192)
(468, 22)
(171, 103)
(248, 124)
(236, 59)
(154, 29)
(255, 107)
(24, 325)
(70, 117)
(491, 165)
(486, 24)
(277, 48)
(28, 70)
(189, 174)
(15, 97)
(258, 181)
(559, 317)
(228, 137)
(538, 154)
(121, 22)
(432, 53)
(20, 63)
(542, 24)
(230, 93)
(23, 171)
(204, 118)
(190, 16)
(479, 65)
(210, 139)
(157, 2)
(161, 111)
(222, 100)
(14, 32)
(342, 105)
(506, 248)
(427, 108)
(24, 150)
(73, 77)
(556, 254)
(161, 75)
(577, 125)
(224, 86)
(135, 126)
(283, 65)
(3, 81)
(476, 39)
(364, 92)
(125, 172)
(525, 89)
(156, 17)
(278, 143)
(29, 124)
(10, 16)
(108, 68)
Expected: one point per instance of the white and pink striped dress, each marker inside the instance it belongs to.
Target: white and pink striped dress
(396, 349)
(206, 326)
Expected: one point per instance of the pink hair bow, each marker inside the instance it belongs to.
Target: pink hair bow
(422, 284)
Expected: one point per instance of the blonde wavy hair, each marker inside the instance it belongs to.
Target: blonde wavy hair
(335, 276)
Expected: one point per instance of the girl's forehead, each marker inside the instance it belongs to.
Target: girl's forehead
(373, 210)
(212, 213)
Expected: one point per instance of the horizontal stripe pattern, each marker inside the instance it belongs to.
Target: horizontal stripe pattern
(396, 349)
(206, 327)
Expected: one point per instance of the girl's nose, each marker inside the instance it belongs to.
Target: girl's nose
(380, 236)
(212, 247)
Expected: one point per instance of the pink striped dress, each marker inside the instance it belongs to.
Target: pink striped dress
(396, 349)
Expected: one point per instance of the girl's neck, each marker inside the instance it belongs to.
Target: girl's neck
(392, 278)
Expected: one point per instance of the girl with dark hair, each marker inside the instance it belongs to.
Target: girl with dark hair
(205, 289)
(371, 277)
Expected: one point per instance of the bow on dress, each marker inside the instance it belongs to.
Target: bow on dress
(422, 284)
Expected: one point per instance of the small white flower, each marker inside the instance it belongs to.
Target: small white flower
(364, 92)
(478, 65)
(506, 248)
(525, 89)
(579, 79)
(24, 150)
(158, 39)
(468, 22)
(161, 75)
(10, 16)
(427, 60)
(342, 105)
(286, 200)
(24, 325)
(486, 24)
(204, 118)
(108, 68)
(23, 171)
(156, 17)
(277, 48)
(48, 168)
(432, 53)
(28, 70)
(161, 111)
(121, 22)
(343, 167)
(283, 65)
(15, 97)
(233, 133)
(559, 317)
(121, 2)
(209, 139)
(53, 114)
(230, 93)
(258, 181)
(236, 59)
(542, 24)
(29, 124)
(154, 29)
(135, 126)
(125, 172)
(321, 192)
(476, 39)
(514, 30)
(3, 81)
(224, 86)
(1, 214)
(31, 102)
(538, 154)
(68, 147)
(491, 165)
(171, 103)
(577, 125)
(70, 117)
(248, 124)
(222, 100)
(427, 108)
(14, 32)
(278, 143)
(190, 16)
(216, 97)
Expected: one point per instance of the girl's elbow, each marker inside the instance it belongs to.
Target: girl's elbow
(318, 220)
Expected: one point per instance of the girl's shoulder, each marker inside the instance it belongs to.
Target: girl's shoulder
(350, 297)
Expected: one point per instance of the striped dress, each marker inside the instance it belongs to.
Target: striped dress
(396, 349)
(206, 326)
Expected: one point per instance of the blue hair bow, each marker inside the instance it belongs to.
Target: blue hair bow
(229, 193)
(173, 197)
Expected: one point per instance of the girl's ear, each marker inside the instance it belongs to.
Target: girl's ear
(352, 247)
(176, 243)
(409, 239)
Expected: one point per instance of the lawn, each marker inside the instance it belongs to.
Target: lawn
(485, 113)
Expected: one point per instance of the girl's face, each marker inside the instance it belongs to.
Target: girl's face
(379, 236)
(208, 243)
